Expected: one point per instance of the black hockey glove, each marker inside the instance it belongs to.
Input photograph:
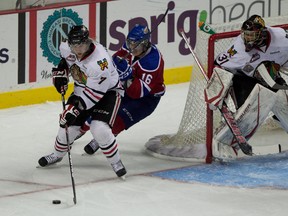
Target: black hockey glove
(75, 105)
(60, 80)
(123, 68)
(69, 115)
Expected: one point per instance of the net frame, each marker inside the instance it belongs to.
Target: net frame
(180, 146)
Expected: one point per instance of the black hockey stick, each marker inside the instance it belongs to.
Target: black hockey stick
(69, 155)
(225, 112)
(166, 12)
(149, 33)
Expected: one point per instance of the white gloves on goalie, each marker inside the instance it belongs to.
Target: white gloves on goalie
(217, 88)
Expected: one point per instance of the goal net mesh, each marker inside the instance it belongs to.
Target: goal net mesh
(191, 142)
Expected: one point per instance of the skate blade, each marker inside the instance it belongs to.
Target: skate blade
(48, 166)
(123, 177)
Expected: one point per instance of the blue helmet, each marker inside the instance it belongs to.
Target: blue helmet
(139, 35)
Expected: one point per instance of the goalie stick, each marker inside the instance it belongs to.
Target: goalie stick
(69, 154)
(225, 112)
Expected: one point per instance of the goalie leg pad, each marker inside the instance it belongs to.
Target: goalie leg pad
(249, 116)
(280, 108)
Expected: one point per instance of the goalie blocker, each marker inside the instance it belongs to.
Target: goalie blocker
(249, 117)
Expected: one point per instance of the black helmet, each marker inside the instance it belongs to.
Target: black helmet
(253, 32)
(78, 34)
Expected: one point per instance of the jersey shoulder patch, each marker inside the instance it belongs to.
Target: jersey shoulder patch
(152, 60)
(100, 60)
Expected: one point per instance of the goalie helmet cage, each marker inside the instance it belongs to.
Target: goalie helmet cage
(193, 140)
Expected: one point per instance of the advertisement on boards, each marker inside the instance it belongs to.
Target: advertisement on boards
(53, 27)
(112, 21)
(183, 14)
(120, 19)
(8, 52)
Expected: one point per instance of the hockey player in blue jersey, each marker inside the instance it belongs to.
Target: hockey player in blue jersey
(140, 66)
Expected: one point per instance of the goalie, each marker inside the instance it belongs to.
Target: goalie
(254, 61)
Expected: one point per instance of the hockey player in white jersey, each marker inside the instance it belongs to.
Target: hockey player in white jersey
(258, 44)
(97, 93)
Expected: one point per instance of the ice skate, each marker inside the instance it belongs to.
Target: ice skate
(91, 147)
(50, 159)
(119, 169)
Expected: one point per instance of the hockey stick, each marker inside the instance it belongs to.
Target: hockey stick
(225, 112)
(69, 155)
(148, 34)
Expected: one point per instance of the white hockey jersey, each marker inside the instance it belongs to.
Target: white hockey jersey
(236, 59)
(94, 75)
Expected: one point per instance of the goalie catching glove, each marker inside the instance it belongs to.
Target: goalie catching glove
(123, 68)
(60, 80)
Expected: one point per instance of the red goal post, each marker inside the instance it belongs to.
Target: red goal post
(193, 140)
(210, 64)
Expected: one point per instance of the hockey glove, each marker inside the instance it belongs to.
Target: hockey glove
(123, 68)
(69, 115)
(60, 80)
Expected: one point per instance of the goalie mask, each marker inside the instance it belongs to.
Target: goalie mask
(254, 32)
(138, 40)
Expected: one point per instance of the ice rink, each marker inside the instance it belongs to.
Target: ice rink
(153, 187)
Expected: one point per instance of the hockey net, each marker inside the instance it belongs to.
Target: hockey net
(193, 140)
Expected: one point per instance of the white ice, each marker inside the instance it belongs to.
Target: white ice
(27, 133)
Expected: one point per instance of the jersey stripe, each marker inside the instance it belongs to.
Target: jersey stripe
(115, 110)
(93, 95)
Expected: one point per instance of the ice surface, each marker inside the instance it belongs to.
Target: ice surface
(27, 133)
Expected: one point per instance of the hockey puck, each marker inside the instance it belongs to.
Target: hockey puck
(56, 201)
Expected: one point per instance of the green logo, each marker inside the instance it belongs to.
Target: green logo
(203, 25)
(55, 29)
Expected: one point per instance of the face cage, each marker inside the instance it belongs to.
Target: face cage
(134, 46)
(250, 38)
